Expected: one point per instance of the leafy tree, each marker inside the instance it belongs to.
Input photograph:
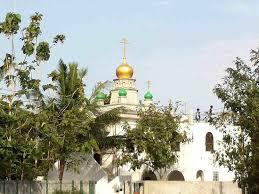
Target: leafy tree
(154, 141)
(36, 130)
(69, 119)
(20, 150)
(239, 93)
(77, 124)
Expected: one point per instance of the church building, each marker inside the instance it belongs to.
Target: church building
(196, 161)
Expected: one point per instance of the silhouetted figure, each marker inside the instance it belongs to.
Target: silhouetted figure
(198, 115)
(210, 113)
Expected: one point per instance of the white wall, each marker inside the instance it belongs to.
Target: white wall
(176, 187)
(193, 156)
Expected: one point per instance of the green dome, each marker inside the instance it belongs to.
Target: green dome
(100, 96)
(122, 92)
(148, 96)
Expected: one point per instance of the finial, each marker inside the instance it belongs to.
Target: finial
(148, 85)
(124, 41)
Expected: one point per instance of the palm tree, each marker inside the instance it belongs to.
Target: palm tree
(79, 124)
(69, 83)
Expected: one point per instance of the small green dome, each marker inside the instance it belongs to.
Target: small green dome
(122, 92)
(148, 96)
(100, 96)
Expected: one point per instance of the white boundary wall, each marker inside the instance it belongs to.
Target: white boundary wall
(179, 187)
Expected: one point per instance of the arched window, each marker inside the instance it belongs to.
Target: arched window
(175, 176)
(148, 175)
(199, 175)
(209, 142)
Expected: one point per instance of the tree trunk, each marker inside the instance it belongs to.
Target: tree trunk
(62, 164)
(243, 190)
(255, 150)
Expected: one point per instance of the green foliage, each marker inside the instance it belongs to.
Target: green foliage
(67, 114)
(43, 51)
(28, 48)
(77, 124)
(10, 25)
(23, 126)
(99, 129)
(98, 88)
(240, 146)
(154, 141)
(36, 130)
(33, 30)
(20, 149)
(59, 38)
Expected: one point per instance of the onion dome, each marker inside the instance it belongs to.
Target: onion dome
(122, 92)
(148, 96)
(100, 96)
(124, 71)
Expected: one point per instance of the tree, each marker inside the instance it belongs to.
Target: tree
(20, 150)
(37, 130)
(239, 93)
(77, 126)
(154, 141)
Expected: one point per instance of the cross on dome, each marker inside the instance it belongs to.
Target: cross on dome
(124, 71)
(148, 95)
(148, 85)
(124, 41)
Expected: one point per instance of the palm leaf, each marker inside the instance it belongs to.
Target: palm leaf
(110, 117)
(99, 87)
(82, 73)
(62, 69)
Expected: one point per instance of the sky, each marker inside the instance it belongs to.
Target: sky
(182, 47)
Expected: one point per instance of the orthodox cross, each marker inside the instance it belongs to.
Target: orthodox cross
(148, 85)
(124, 41)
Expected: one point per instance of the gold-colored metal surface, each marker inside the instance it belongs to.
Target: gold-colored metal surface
(124, 71)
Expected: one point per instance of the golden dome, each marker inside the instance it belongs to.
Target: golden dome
(124, 71)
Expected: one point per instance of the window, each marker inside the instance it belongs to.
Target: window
(199, 175)
(175, 176)
(209, 142)
(98, 158)
(215, 176)
(149, 175)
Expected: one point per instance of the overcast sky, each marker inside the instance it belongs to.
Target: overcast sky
(181, 46)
